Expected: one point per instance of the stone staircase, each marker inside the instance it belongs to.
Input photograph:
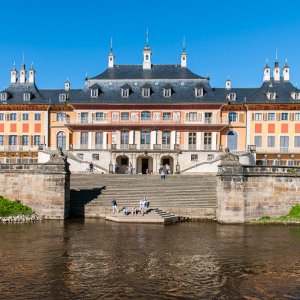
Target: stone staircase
(182, 195)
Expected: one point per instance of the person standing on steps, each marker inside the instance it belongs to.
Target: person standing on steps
(116, 168)
(114, 205)
(168, 169)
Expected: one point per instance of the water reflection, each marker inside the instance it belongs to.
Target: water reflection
(96, 259)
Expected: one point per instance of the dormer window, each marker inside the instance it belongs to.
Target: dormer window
(62, 97)
(3, 96)
(167, 92)
(94, 93)
(146, 92)
(295, 95)
(198, 92)
(231, 97)
(125, 92)
(271, 95)
(26, 96)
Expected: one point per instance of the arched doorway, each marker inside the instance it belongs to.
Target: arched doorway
(61, 140)
(144, 164)
(232, 140)
(167, 160)
(123, 163)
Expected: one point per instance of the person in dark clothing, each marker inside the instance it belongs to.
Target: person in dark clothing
(114, 205)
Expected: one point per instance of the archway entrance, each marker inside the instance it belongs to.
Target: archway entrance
(144, 164)
(123, 163)
(232, 140)
(61, 140)
(167, 160)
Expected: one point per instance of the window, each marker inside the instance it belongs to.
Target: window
(99, 116)
(25, 140)
(25, 116)
(297, 141)
(60, 116)
(124, 137)
(1, 140)
(295, 95)
(146, 92)
(26, 96)
(37, 117)
(233, 116)
(145, 115)
(167, 92)
(12, 140)
(84, 117)
(271, 141)
(84, 138)
(166, 116)
(271, 116)
(145, 137)
(12, 116)
(257, 116)
(284, 144)
(80, 156)
(99, 138)
(62, 97)
(3, 96)
(166, 137)
(95, 156)
(36, 140)
(284, 116)
(208, 117)
(125, 116)
(258, 141)
(297, 116)
(1, 116)
(94, 93)
(192, 138)
(194, 157)
(124, 92)
(207, 140)
(271, 95)
(192, 116)
(231, 97)
(198, 92)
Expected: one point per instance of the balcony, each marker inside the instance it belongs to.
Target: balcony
(145, 147)
(18, 148)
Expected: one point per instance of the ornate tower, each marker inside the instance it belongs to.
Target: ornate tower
(183, 56)
(23, 73)
(267, 72)
(32, 74)
(147, 55)
(13, 74)
(276, 69)
(286, 71)
(111, 56)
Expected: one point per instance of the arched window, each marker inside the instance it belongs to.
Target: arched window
(61, 140)
(232, 140)
(145, 115)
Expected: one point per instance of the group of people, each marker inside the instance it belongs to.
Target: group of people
(143, 208)
(163, 171)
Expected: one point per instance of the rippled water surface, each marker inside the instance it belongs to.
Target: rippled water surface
(94, 259)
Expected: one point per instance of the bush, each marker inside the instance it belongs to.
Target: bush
(13, 208)
(295, 211)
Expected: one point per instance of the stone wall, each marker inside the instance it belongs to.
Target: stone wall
(43, 187)
(247, 193)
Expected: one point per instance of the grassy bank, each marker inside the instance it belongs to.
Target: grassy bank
(293, 217)
(13, 208)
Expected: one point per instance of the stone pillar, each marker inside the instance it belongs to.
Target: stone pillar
(230, 190)
(199, 142)
(131, 137)
(152, 138)
(173, 139)
(90, 140)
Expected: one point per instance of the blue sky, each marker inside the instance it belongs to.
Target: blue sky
(69, 38)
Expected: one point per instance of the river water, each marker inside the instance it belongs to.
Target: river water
(95, 259)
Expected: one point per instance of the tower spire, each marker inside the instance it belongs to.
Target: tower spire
(147, 38)
(183, 44)
(111, 56)
(111, 44)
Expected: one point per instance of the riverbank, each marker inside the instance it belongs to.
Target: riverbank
(292, 218)
(13, 211)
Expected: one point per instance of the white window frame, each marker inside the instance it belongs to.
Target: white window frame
(167, 93)
(146, 93)
(297, 116)
(26, 96)
(125, 93)
(271, 95)
(297, 137)
(257, 116)
(198, 92)
(271, 138)
(284, 114)
(3, 96)
(258, 145)
(231, 96)
(94, 93)
(62, 97)
(273, 116)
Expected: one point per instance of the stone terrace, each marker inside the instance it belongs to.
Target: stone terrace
(183, 195)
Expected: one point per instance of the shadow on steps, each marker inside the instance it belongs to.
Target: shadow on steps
(79, 198)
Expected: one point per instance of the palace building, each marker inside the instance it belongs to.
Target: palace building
(149, 115)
